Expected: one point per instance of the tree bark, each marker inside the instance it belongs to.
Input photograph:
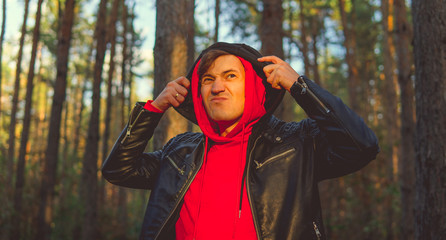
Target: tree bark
(217, 19)
(111, 35)
(429, 22)
(315, 29)
(20, 178)
(271, 36)
(303, 39)
(131, 52)
(171, 56)
(15, 100)
(78, 116)
(89, 183)
(2, 38)
(389, 100)
(270, 29)
(45, 213)
(350, 58)
(125, 60)
(406, 163)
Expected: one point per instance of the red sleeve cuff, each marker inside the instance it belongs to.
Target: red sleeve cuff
(151, 108)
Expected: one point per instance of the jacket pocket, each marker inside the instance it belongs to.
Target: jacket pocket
(274, 158)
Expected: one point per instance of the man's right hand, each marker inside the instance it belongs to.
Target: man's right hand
(173, 94)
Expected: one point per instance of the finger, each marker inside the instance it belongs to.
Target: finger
(183, 82)
(272, 59)
(268, 69)
(181, 90)
(174, 101)
(273, 79)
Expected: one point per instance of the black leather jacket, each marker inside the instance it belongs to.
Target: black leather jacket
(285, 162)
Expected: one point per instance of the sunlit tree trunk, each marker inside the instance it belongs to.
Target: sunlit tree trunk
(125, 61)
(406, 163)
(350, 58)
(304, 39)
(131, 53)
(109, 98)
(361, 213)
(171, 56)
(45, 214)
(20, 177)
(89, 183)
(315, 29)
(429, 23)
(15, 100)
(2, 37)
(390, 101)
(78, 116)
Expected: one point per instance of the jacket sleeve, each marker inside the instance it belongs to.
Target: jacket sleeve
(342, 141)
(127, 165)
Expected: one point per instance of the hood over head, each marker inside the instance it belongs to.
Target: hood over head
(255, 79)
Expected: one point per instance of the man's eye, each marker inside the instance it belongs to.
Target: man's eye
(231, 75)
(206, 80)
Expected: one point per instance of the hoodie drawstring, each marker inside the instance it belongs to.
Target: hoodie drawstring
(201, 189)
(243, 175)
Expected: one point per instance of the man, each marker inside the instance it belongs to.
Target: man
(248, 175)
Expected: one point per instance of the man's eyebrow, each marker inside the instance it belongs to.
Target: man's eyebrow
(207, 75)
(230, 70)
(224, 72)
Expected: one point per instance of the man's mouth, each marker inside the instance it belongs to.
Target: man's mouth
(218, 99)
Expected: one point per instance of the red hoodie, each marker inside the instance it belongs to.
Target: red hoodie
(212, 208)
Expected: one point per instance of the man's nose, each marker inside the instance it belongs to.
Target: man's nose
(218, 86)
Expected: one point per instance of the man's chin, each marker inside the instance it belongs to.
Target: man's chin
(225, 121)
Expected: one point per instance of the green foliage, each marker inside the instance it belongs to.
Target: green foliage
(244, 19)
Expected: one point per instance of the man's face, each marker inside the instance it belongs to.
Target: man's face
(223, 90)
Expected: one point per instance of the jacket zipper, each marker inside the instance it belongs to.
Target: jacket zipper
(181, 171)
(259, 165)
(130, 125)
(254, 216)
(306, 89)
(316, 230)
(180, 197)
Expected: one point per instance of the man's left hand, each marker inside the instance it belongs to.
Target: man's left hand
(279, 74)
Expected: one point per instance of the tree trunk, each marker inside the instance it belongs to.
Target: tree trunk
(122, 213)
(350, 58)
(389, 100)
(44, 217)
(125, 60)
(2, 37)
(315, 29)
(111, 35)
(89, 183)
(429, 22)
(217, 19)
(406, 163)
(78, 116)
(271, 36)
(80, 102)
(270, 29)
(20, 178)
(303, 39)
(171, 55)
(132, 43)
(15, 100)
